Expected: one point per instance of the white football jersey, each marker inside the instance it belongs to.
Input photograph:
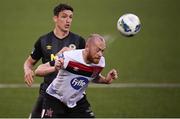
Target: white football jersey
(72, 80)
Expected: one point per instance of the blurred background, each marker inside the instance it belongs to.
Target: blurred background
(150, 61)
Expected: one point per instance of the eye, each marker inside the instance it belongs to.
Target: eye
(63, 16)
(102, 51)
(71, 16)
(97, 49)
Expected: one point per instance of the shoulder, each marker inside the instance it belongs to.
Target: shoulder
(76, 36)
(46, 36)
(73, 53)
(78, 40)
(102, 62)
(44, 39)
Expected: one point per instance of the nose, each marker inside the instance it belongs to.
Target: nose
(69, 20)
(100, 53)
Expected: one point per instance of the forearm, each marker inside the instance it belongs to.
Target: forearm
(44, 69)
(27, 67)
(28, 64)
(101, 79)
(28, 70)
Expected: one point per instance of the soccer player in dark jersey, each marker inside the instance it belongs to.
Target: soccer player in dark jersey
(65, 95)
(46, 48)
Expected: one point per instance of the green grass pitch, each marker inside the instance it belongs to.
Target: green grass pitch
(152, 56)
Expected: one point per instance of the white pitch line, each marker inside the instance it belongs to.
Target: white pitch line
(114, 85)
(137, 85)
(17, 85)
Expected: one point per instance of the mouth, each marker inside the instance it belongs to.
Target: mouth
(96, 60)
(67, 26)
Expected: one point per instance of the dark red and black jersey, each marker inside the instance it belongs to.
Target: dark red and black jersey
(48, 45)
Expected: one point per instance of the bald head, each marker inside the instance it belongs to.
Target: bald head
(95, 46)
(95, 39)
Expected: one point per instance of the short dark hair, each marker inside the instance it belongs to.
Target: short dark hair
(62, 7)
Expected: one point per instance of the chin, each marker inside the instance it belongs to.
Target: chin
(96, 61)
(65, 30)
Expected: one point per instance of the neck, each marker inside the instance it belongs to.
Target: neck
(60, 34)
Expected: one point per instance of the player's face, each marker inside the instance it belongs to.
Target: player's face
(96, 51)
(63, 20)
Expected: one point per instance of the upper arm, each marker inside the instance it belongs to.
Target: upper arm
(37, 50)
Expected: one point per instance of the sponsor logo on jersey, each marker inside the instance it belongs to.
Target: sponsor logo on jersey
(79, 82)
(53, 57)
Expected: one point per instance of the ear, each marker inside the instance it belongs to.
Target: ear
(86, 45)
(87, 50)
(55, 18)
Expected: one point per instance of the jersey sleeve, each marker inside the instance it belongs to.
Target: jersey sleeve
(82, 43)
(66, 60)
(36, 54)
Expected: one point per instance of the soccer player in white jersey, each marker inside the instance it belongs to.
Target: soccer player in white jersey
(76, 68)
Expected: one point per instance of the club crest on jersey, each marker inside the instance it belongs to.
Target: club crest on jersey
(79, 82)
(72, 46)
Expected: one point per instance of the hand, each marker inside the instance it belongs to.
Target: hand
(112, 75)
(29, 77)
(59, 63)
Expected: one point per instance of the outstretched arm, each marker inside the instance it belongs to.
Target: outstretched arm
(49, 67)
(112, 75)
(44, 69)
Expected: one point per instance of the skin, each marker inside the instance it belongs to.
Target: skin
(63, 23)
(62, 28)
(92, 53)
(94, 49)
